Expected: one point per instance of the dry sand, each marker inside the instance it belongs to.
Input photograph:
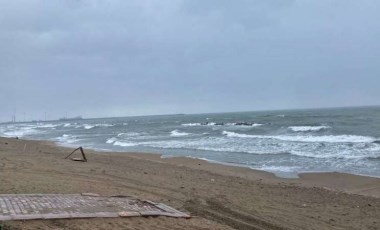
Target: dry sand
(219, 197)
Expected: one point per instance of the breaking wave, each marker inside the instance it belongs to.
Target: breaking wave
(124, 144)
(47, 125)
(131, 134)
(176, 133)
(308, 128)
(21, 132)
(111, 140)
(244, 124)
(192, 124)
(67, 138)
(90, 126)
(296, 142)
(328, 138)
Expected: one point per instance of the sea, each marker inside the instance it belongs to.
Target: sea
(285, 143)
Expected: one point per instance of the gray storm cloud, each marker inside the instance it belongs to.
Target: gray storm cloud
(114, 58)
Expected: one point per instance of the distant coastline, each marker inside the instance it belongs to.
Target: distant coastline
(70, 118)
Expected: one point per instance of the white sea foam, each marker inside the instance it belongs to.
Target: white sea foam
(91, 126)
(130, 134)
(242, 148)
(244, 125)
(192, 124)
(281, 171)
(200, 124)
(88, 126)
(124, 144)
(176, 133)
(21, 131)
(328, 138)
(40, 125)
(67, 125)
(308, 128)
(272, 168)
(344, 153)
(309, 138)
(233, 134)
(104, 125)
(223, 124)
(67, 138)
(215, 144)
(111, 140)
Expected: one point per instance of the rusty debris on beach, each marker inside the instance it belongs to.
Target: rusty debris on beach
(83, 159)
(86, 205)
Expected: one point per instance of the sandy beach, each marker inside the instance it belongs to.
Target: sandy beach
(217, 196)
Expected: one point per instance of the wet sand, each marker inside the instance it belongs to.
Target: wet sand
(218, 196)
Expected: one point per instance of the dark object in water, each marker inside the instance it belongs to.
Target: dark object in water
(222, 123)
(244, 123)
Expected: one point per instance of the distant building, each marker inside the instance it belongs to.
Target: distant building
(70, 118)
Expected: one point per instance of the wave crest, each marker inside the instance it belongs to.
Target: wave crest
(176, 133)
(67, 138)
(192, 124)
(244, 124)
(309, 138)
(308, 128)
(124, 144)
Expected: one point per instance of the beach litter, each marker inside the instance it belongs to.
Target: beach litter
(86, 205)
(83, 159)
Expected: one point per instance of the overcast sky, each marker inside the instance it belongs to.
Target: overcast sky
(101, 58)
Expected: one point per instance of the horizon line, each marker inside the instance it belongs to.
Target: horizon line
(240, 111)
(218, 112)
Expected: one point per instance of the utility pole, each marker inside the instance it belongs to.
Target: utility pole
(14, 115)
(45, 116)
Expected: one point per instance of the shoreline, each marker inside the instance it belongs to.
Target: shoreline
(297, 174)
(326, 180)
(162, 156)
(222, 197)
(318, 179)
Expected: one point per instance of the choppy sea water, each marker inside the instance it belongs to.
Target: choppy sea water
(283, 142)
